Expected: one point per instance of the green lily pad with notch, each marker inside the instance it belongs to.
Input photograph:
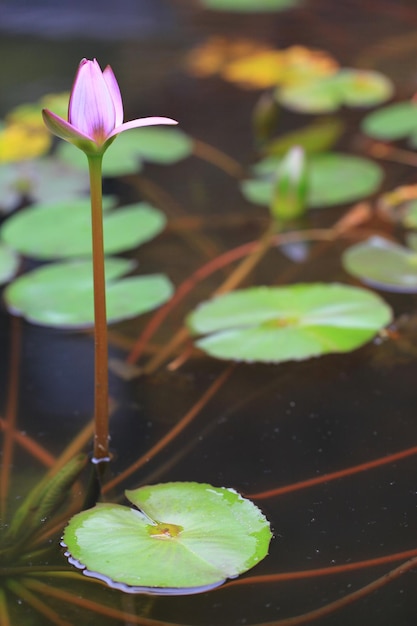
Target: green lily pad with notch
(249, 6)
(63, 229)
(393, 122)
(276, 324)
(9, 263)
(332, 179)
(349, 87)
(61, 294)
(155, 144)
(182, 538)
(383, 264)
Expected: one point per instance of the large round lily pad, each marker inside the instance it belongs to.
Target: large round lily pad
(275, 324)
(185, 537)
(63, 229)
(383, 264)
(332, 179)
(61, 294)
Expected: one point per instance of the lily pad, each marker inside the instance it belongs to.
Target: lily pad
(396, 121)
(383, 264)
(332, 179)
(63, 229)
(61, 294)
(185, 538)
(125, 156)
(350, 87)
(249, 6)
(276, 324)
(9, 263)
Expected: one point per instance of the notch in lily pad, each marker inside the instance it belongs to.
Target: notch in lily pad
(276, 324)
(182, 538)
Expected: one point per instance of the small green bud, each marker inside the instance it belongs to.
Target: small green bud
(289, 197)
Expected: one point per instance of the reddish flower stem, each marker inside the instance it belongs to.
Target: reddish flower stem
(101, 411)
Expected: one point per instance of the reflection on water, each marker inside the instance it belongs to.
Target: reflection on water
(267, 426)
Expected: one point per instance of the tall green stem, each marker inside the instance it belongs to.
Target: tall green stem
(101, 411)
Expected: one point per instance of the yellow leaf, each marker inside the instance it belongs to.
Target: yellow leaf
(20, 142)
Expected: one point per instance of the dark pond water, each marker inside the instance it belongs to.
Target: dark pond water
(266, 426)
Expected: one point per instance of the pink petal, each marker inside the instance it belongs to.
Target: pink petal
(63, 129)
(91, 108)
(116, 96)
(143, 121)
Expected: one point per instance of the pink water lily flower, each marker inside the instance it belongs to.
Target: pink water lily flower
(95, 111)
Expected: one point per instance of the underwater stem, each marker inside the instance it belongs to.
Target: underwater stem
(101, 416)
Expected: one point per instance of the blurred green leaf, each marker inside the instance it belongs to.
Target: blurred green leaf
(332, 179)
(383, 264)
(249, 6)
(396, 121)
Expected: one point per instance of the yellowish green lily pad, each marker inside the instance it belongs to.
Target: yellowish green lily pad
(182, 538)
(61, 294)
(332, 179)
(63, 229)
(383, 264)
(275, 324)
(350, 87)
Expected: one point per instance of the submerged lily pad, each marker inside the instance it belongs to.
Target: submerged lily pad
(350, 87)
(61, 294)
(332, 179)
(9, 263)
(63, 229)
(153, 144)
(275, 324)
(383, 264)
(185, 538)
(249, 6)
(42, 180)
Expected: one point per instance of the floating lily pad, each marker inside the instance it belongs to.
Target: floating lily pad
(332, 179)
(383, 264)
(185, 538)
(275, 324)
(61, 294)
(396, 121)
(9, 263)
(249, 6)
(154, 144)
(350, 87)
(63, 229)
